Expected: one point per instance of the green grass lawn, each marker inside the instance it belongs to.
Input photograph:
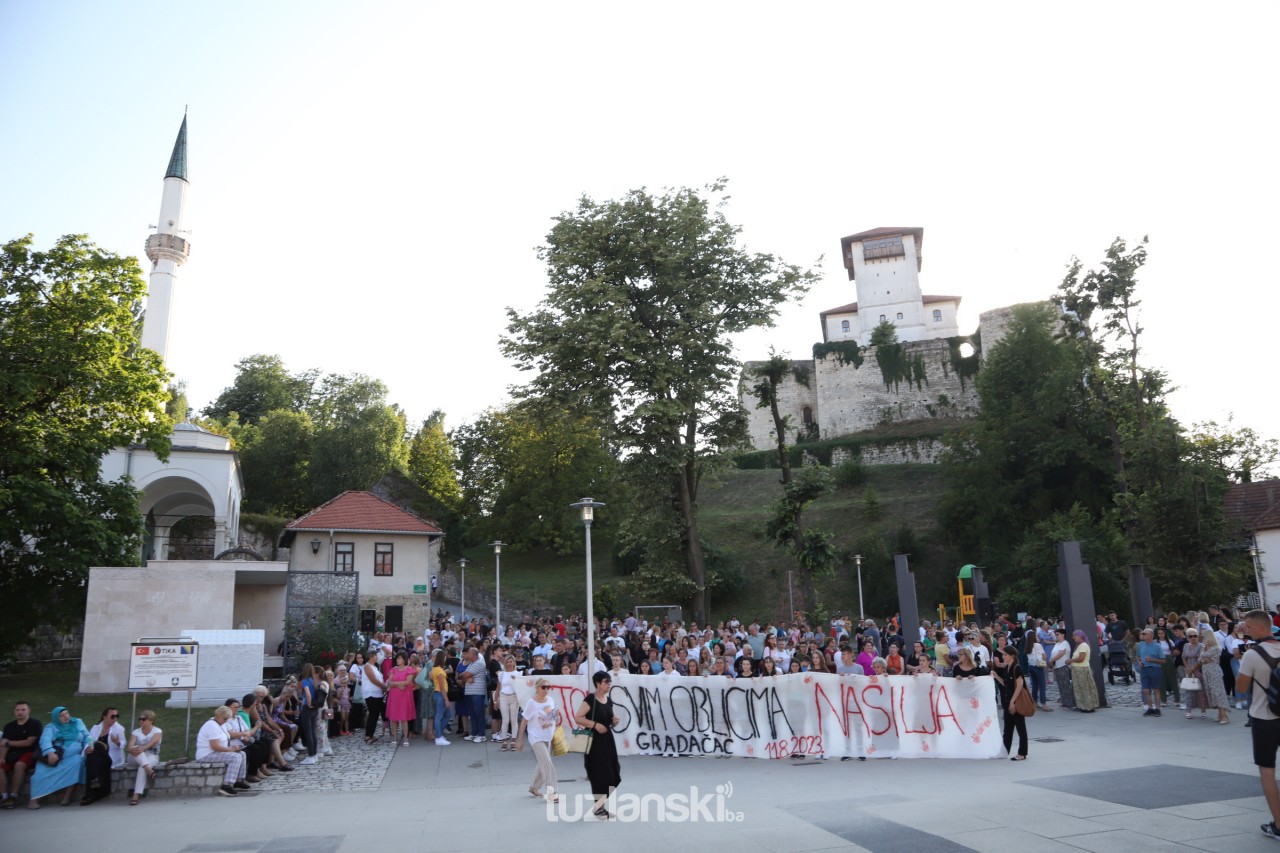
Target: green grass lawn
(47, 690)
(734, 507)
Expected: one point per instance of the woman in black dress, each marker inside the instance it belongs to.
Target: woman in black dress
(1009, 675)
(596, 714)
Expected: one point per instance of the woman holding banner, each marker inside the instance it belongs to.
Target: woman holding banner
(601, 759)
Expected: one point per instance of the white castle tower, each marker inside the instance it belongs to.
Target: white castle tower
(167, 249)
(885, 264)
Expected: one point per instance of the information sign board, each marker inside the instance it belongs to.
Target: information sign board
(164, 665)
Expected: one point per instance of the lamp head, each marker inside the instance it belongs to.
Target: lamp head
(315, 546)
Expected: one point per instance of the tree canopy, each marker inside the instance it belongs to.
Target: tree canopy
(644, 294)
(75, 384)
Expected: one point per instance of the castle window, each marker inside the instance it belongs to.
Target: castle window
(883, 318)
(887, 247)
(806, 415)
(937, 315)
(899, 315)
(844, 325)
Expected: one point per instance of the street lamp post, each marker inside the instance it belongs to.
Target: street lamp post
(462, 564)
(1254, 554)
(792, 596)
(862, 614)
(588, 506)
(497, 593)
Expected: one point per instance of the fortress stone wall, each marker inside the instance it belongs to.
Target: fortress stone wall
(843, 398)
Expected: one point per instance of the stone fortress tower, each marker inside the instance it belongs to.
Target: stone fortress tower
(849, 386)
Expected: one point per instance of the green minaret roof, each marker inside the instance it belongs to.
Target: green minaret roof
(178, 162)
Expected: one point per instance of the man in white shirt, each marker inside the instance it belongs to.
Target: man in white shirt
(597, 666)
(544, 648)
(212, 746)
(1255, 673)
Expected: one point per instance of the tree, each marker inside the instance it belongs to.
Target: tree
(1037, 447)
(433, 461)
(524, 464)
(644, 295)
(355, 449)
(275, 456)
(769, 376)
(262, 385)
(75, 383)
(1238, 450)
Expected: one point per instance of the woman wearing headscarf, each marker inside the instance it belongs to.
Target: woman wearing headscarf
(1086, 690)
(63, 744)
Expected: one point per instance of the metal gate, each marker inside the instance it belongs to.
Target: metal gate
(321, 615)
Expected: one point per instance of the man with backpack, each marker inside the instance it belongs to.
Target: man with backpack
(1258, 669)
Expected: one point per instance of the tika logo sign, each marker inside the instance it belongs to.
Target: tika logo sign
(694, 807)
(142, 650)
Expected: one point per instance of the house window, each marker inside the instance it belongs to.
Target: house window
(344, 556)
(382, 559)
(937, 315)
(899, 315)
(844, 325)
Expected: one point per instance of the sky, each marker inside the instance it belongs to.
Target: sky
(369, 182)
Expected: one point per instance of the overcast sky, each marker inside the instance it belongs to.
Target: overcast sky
(369, 180)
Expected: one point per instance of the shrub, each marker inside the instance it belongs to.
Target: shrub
(850, 473)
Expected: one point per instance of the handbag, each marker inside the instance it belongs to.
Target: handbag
(1190, 683)
(581, 741)
(1022, 704)
(559, 743)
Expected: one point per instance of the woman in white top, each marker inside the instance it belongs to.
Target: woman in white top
(507, 702)
(540, 721)
(144, 752)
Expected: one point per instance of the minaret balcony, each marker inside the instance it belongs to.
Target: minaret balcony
(168, 247)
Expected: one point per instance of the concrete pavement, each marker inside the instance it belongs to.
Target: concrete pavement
(1108, 781)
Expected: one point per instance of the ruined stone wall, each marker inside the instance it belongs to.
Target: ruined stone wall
(853, 399)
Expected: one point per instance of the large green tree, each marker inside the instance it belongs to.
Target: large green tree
(75, 384)
(262, 385)
(433, 463)
(645, 293)
(522, 465)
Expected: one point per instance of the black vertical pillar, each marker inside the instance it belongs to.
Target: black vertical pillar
(1140, 596)
(981, 599)
(907, 605)
(1075, 586)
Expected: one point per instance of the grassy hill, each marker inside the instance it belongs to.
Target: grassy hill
(734, 509)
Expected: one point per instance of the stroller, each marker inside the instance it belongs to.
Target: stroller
(1118, 663)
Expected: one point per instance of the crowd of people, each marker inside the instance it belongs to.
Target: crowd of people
(457, 680)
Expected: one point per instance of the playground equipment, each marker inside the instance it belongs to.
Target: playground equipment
(966, 601)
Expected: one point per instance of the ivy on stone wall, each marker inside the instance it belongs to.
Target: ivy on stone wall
(898, 366)
(846, 352)
(964, 367)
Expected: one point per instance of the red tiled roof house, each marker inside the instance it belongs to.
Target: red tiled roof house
(394, 551)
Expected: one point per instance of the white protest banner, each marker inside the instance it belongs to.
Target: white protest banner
(896, 716)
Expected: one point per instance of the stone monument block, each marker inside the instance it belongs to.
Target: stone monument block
(230, 665)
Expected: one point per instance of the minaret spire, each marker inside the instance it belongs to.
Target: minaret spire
(178, 161)
(167, 249)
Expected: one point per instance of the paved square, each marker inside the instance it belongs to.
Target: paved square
(1157, 786)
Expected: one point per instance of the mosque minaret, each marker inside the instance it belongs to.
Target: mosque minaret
(168, 249)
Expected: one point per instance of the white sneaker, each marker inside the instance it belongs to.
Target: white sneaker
(441, 742)
(478, 739)
(309, 760)
(328, 752)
